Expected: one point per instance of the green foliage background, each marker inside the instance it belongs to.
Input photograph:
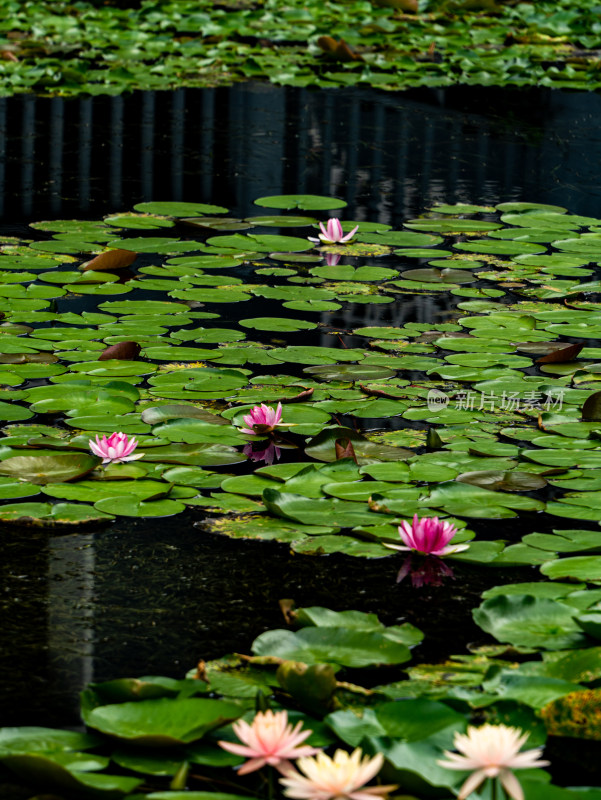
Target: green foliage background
(61, 48)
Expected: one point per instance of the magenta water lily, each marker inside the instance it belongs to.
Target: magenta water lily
(429, 536)
(332, 233)
(262, 419)
(116, 448)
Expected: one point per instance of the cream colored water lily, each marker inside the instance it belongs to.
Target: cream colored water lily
(269, 739)
(492, 751)
(342, 777)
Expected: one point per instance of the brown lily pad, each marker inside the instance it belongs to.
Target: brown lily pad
(111, 259)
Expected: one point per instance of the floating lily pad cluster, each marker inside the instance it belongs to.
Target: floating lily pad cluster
(158, 738)
(90, 48)
(492, 413)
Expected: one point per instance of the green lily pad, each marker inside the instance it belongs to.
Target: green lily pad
(310, 511)
(349, 372)
(583, 568)
(12, 412)
(178, 209)
(42, 469)
(261, 243)
(48, 515)
(466, 500)
(11, 489)
(306, 202)
(279, 324)
(93, 490)
(349, 648)
(198, 431)
(128, 506)
(28, 739)
(452, 225)
(323, 447)
(528, 621)
(300, 354)
(195, 455)
(69, 772)
(163, 721)
(499, 247)
(400, 239)
(281, 221)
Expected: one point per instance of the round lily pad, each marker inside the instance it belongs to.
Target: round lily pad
(179, 209)
(162, 721)
(48, 515)
(306, 202)
(349, 372)
(529, 621)
(128, 506)
(42, 469)
(277, 324)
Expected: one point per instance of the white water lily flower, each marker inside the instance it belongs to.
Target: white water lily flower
(492, 751)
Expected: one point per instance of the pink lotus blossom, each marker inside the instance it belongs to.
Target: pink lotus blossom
(117, 448)
(270, 454)
(270, 739)
(428, 535)
(492, 751)
(342, 777)
(332, 233)
(262, 419)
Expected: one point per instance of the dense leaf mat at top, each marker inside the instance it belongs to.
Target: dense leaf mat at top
(59, 48)
(492, 414)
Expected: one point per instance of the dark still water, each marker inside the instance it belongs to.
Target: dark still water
(389, 155)
(153, 597)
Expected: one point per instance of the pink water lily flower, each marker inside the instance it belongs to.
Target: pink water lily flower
(332, 233)
(117, 448)
(429, 536)
(492, 751)
(262, 419)
(342, 777)
(270, 739)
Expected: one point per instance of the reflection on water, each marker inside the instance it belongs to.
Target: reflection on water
(388, 155)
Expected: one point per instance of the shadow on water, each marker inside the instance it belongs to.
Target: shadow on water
(152, 597)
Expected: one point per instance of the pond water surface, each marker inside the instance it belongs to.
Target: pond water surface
(152, 597)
